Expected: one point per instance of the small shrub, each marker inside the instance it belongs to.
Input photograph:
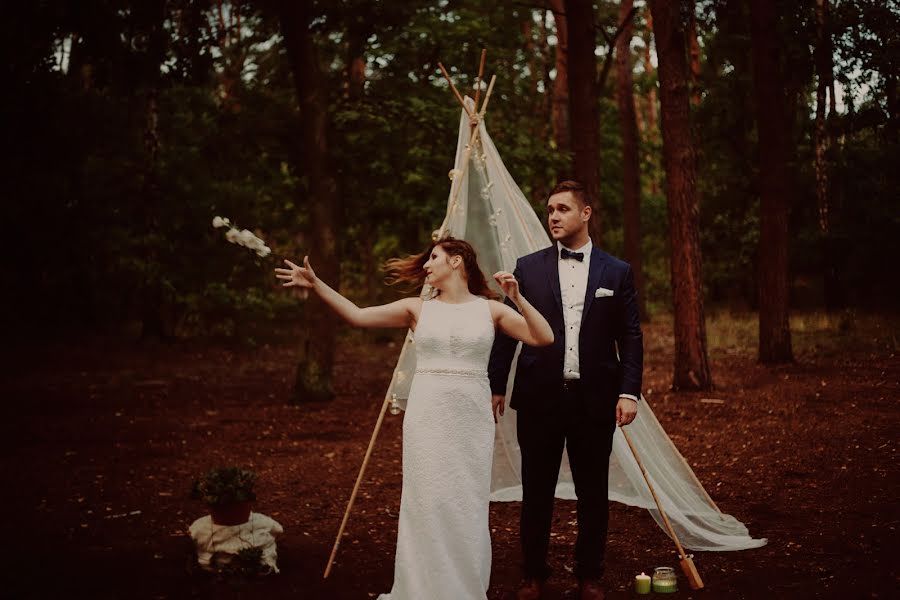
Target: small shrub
(225, 485)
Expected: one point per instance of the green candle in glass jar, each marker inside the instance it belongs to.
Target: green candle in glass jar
(664, 580)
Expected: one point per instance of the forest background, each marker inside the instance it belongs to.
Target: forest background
(743, 156)
(327, 128)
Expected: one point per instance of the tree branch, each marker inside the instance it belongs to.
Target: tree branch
(611, 47)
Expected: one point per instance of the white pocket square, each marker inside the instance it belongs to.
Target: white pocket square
(602, 293)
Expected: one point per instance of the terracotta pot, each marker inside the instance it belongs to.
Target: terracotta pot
(231, 514)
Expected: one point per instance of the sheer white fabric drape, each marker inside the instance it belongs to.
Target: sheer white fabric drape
(492, 214)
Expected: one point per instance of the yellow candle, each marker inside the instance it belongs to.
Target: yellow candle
(642, 584)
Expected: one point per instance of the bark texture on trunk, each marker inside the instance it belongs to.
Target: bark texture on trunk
(317, 343)
(691, 360)
(833, 295)
(583, 104)
(631, 184)
(155, 300)
(537, 51)
(650, 102)
(696, 92)
(775, 184)
(561, 127)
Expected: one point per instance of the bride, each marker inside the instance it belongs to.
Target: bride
(443, 540)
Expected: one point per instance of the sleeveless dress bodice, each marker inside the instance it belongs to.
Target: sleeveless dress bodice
(454, 338)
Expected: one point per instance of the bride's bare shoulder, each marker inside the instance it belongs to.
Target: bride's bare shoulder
(497, 308)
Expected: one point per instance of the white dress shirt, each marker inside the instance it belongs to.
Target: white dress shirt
(573, 276)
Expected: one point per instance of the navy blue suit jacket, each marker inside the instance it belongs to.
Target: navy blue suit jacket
(608, 323)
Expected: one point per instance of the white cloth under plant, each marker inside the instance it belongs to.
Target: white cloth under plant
(217, 545)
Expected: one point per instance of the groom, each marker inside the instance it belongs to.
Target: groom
(574, 392)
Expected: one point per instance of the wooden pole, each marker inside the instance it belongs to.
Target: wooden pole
(362, 470)
(487, 96)
(478, 79)
(467, 154)
(687, 563)
(455, 91)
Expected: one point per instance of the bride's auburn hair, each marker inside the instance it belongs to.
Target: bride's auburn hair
(411, 270)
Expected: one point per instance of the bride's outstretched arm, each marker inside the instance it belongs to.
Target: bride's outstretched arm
(528, 325)
(402, 313)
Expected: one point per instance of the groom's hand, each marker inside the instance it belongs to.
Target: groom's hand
(626, 411)
(497, 403)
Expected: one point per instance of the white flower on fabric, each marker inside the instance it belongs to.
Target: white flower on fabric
(220, 222)
(454, 173)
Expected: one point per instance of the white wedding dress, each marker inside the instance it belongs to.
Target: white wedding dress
(443, 539)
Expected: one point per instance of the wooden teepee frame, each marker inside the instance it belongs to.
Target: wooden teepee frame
(475, 116)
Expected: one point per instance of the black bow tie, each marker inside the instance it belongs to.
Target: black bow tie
(579, 256)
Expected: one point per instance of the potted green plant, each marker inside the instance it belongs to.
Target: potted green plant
(228, 492)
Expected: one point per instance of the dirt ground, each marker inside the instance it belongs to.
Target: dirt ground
(103, 438)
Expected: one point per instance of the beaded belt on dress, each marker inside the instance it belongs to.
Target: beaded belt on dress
(459, 372)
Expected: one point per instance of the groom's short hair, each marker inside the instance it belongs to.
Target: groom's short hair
(575, 187)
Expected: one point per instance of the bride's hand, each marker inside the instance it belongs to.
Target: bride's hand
(297, 276)
(508, 284)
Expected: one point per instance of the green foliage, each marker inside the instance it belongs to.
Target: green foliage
(247, 563)
(864, 231)
(111, 229)
(222, 486)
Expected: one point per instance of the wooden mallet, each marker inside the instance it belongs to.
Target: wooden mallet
(687, 563)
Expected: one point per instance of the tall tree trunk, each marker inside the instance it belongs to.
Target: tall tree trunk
(528, 50)
(893, 105)
(825, 83)
(358, 32)
(691, 361)
(775, 184)
(583, 104)
(359, 29)
(696, 94)
(561, 125)
(153, 298)
(631, 184)
(317, 338)
(537, 52)
(234, 54)
(651, 100)
(731, 20)
(190, 20)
